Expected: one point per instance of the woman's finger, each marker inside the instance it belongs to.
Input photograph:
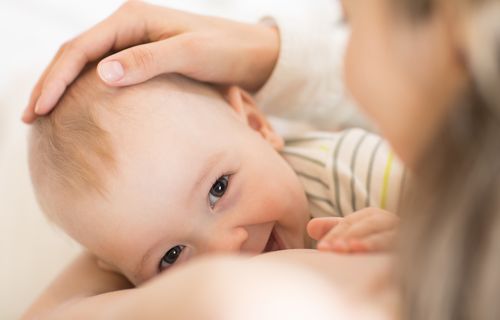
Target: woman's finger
(120, 30)
(89, 46)
(29, 113)
(145, 61)
(64, 68)
(159, 40)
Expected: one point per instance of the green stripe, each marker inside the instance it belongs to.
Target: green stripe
(353, 170)
(312, 178)
(336, 173)
(370, 171)
(320, 199)
(305, 139)
(298, 155)
(385, 183)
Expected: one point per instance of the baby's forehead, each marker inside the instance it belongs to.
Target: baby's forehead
(170, 115)
(168, 97)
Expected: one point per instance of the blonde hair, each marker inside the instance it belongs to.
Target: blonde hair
(69, 147)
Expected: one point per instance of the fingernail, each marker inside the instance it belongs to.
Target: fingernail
(111, 71)
(24, 116)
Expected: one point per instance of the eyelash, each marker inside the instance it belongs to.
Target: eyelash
(224, 180)
(177, 250)
(174, 250)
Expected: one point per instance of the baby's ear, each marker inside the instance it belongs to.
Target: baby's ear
(246, 109)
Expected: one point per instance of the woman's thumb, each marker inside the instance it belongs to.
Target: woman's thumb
(111, 71)
(138, 64)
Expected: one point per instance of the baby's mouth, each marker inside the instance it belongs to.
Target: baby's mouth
(274, 243)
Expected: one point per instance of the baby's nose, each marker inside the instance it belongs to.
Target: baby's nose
(228, 241)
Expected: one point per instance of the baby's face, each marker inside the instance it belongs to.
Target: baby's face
(192, 178)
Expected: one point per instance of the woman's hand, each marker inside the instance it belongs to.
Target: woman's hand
(152, 40)
(366, 230)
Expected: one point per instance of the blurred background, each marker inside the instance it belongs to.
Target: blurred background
(32, 251)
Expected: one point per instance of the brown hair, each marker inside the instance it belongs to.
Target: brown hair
(450, 252)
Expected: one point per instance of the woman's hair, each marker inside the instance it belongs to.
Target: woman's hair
(450, 252)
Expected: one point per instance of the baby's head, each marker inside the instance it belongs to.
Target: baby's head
(156, 173)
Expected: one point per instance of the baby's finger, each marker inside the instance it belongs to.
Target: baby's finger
(379, 242)
(372, 225)
(362, 214)
(329, 241)
(317, 228)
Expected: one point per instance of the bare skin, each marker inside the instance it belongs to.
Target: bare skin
(367, 230)
(408, 101)
(150, 32)
(217, 285)
(160, 40)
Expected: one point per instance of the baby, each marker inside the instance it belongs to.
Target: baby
(154, 174)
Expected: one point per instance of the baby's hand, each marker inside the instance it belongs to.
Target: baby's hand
(366, 230)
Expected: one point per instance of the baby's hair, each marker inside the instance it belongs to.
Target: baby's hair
(69, 147)
(71, 150)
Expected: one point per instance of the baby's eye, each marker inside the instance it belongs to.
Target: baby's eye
(171, 257)
(217, 190)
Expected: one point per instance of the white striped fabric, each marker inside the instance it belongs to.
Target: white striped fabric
(345, 171)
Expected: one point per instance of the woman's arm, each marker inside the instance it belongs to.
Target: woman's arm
(82, 278)
(306, 82)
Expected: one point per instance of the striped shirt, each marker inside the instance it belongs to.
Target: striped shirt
(345, 171)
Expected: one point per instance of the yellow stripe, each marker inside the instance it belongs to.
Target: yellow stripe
(385, 185)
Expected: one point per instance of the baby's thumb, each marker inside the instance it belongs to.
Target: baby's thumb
(140, 63)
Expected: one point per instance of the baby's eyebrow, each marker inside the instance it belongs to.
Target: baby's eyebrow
(138, 270)
(212, 160)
